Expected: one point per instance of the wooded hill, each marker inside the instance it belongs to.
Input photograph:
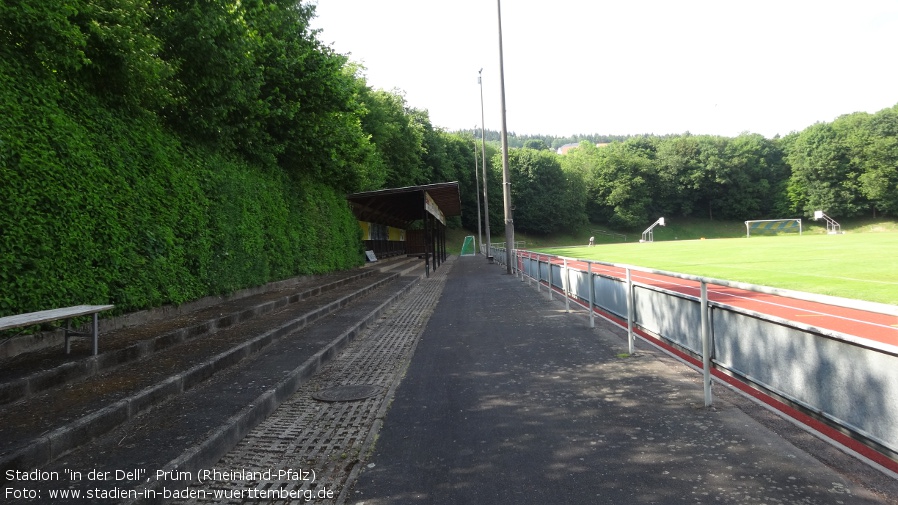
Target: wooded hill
(157, 152)
(847, 168)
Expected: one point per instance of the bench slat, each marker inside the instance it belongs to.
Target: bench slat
(46, 316)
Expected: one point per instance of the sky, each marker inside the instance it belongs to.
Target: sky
(720, 67)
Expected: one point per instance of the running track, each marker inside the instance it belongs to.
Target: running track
(865, 325)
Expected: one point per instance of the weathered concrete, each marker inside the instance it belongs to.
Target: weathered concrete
(509, 399)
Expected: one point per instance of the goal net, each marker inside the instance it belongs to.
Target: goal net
(772, 226)
(467, 247)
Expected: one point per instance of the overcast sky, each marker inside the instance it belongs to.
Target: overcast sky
(627, 66)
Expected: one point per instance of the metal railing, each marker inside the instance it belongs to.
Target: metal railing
(845, 379)
(518, 244)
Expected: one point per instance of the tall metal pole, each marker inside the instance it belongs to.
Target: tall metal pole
(486, 205)
(477, 195)
(506, 182)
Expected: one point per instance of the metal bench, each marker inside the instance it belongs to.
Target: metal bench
(46, 316)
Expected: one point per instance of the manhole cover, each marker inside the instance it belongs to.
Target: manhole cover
(346, 393)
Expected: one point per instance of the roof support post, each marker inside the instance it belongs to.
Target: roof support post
(426, 241)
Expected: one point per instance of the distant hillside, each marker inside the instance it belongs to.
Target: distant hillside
(550, 141)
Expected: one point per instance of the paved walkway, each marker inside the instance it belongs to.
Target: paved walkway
(510, 400)
(323, 444)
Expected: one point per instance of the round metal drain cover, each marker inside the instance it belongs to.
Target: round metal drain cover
(347, 393)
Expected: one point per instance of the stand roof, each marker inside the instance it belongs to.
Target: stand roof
(399, 207)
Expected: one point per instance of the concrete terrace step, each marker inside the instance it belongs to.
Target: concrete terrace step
(199, 426)
(30, 373)
(400, 264)
(52, 423)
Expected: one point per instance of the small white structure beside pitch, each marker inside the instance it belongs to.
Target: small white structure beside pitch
(648, 235)
(832, 227)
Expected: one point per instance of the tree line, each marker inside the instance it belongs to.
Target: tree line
(540, 141)
(158, 151)
(847, 168)
(247, 78)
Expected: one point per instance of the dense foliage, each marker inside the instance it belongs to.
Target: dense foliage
(157, 152)
(154, 152)
(848, 167)
(543, 196)
(105, 208)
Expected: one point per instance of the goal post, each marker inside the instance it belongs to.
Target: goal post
(467, 247)
(773, 226)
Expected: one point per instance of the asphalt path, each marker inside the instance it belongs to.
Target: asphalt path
(509, 399)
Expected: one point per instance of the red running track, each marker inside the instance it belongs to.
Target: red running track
(865, 325)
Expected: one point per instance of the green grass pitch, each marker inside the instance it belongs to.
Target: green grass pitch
(862, 266)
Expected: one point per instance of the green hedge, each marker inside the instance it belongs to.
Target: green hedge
(101, 206)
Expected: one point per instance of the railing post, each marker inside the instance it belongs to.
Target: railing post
(706, 345)
(549, 262)
(539, 274)
(530, 269)
(565, 285)
(592, 298)
(631, 340)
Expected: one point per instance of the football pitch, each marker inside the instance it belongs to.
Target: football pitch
(863, 266)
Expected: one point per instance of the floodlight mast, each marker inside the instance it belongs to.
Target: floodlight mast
(477, 195)
(486, 206)
(506, 182)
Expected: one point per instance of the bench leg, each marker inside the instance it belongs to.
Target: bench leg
(68, 335)
(96, 333)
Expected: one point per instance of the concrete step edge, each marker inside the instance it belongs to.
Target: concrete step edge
(58, 442)
(44, 380)
(204, 454)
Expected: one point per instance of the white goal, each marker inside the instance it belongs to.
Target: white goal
(773, 226)
(468, 247)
